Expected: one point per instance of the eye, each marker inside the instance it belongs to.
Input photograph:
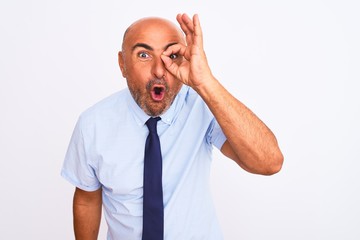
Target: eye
(143, 55)
(173, 56)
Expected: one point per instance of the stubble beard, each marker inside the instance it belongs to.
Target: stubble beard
(147, 104)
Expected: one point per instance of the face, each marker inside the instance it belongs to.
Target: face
(150, 84)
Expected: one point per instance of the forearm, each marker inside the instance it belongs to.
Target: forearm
(87, 215)
(249, 142)
(253, 145)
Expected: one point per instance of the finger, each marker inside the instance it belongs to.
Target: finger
(172, 67)
(172, 64)
(183, 19)
(188, 22)
(198, 36)
(188, 30)
(175, 49)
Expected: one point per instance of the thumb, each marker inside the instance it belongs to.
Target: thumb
(172, 67)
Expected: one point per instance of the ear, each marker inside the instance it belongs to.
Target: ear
(121, 64)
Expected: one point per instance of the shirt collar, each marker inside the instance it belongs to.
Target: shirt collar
(168, 117)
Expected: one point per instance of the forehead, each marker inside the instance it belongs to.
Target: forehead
(155, 32)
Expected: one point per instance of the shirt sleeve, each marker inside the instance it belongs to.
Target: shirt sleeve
(216, 136)
(76, 167)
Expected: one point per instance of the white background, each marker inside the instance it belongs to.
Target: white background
(294, 63)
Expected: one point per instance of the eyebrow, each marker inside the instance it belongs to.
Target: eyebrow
(148, 47)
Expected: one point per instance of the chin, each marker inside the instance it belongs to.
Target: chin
(155, 110)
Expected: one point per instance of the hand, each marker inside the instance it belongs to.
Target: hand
(193, 70)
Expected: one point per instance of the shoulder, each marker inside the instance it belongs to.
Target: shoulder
(194, 101)
(189, 97)
(191, 106)
(190, 94)
(113, 105)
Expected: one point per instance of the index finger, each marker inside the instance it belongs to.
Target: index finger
(175, 49)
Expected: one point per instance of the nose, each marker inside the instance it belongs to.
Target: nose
(158, 68)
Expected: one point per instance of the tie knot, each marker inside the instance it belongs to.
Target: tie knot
(151, 123)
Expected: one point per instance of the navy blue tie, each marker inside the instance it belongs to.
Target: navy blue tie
(153, 207)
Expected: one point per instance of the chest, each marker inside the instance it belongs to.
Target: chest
(118, 155)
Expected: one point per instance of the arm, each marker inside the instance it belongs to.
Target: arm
(249, 141)
(87, 214)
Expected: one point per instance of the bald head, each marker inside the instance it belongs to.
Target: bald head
(151, 25)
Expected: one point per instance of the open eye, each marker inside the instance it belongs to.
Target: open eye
(173, 56)
(143, 55)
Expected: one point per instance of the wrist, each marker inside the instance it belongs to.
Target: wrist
(208, 88)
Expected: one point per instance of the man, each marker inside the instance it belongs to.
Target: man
(167, 76)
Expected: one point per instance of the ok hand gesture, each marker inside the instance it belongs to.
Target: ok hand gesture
(194, 70)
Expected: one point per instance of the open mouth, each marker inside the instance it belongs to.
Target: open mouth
(158, 92)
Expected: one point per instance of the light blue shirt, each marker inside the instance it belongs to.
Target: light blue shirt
(107, 150)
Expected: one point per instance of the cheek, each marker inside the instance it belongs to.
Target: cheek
(137, 77)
